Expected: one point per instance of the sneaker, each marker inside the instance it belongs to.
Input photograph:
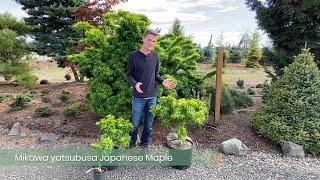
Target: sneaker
(144, 146)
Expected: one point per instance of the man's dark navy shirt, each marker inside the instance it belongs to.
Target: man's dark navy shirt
(145, 69)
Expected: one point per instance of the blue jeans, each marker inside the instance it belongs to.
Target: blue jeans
(142, 106)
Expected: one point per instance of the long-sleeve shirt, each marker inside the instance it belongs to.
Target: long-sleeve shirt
(145, 69)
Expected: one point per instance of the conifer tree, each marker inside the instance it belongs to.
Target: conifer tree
(290, 111)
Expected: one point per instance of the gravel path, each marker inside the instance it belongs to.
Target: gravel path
(255, 165)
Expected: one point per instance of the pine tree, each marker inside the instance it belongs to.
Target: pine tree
(290, 111)
(14, 50)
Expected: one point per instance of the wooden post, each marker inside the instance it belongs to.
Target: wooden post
(217, 102)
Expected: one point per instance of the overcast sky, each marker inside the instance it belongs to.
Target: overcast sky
(200, 18)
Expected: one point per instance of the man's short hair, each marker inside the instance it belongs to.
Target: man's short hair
(150, 31)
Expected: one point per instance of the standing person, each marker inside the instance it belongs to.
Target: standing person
(143, 73)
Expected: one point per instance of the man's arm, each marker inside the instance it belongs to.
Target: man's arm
(130, 71)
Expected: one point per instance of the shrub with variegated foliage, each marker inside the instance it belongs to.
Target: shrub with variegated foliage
(179, 113)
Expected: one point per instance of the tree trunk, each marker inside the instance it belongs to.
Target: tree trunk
(73, 68)
(81, 79)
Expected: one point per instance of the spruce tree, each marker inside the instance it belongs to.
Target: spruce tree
(254, 53)
(290, 111)
(52, 22)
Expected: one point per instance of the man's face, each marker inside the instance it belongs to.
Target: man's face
(149, 41)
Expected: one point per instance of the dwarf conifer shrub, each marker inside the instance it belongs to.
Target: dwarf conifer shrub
(67, 77)
(2, 97)
(20, 101)
(65, 95)
(240, 83)
(43, 111)
(69, 114)
(290, 110)
(44, 81)
(80, 107)
(250, 91)
(241, 98)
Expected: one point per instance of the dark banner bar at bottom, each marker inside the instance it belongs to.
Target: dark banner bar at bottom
(115, 157)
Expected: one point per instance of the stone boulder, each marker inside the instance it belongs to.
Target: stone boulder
(233, 147)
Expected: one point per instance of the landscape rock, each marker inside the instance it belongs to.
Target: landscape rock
(49, 137)
(234, 147)
(15, 129)
(291, 149)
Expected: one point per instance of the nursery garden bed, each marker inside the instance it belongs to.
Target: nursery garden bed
(82, 127)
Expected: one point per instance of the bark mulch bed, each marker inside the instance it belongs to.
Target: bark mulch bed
(83, 126)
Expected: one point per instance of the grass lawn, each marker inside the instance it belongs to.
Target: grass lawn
(52, 74)
(234, 72)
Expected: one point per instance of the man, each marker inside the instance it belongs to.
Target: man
(143, 73)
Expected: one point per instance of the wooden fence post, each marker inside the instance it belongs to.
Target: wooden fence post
(217, 102)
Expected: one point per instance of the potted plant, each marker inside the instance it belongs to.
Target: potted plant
(178, 114)
(114, 134)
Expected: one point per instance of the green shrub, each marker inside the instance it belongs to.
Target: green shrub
(227, 103)
(80, 107)
(69, 113)
(2, 98)
(44, 81)
(259, 85)
(240, 83)
(250, 91)
(33, 92)
(114, 132)
(178, 113)
(30, 95)
(45, 92)
(27, 80)
(65, 95)
(241, 98)
(43, 111)
(46, 99)
(290, 111)
(67, 77)
(20, 101)
(265, 90)
(234, 57)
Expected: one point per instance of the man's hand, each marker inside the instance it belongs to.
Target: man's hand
(167, 83)
(137, 86)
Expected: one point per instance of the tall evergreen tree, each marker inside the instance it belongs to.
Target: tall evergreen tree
(208, 51)
(53, 34)
(177, 28)
(289, 24)
(13, 51)
(254, 53)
